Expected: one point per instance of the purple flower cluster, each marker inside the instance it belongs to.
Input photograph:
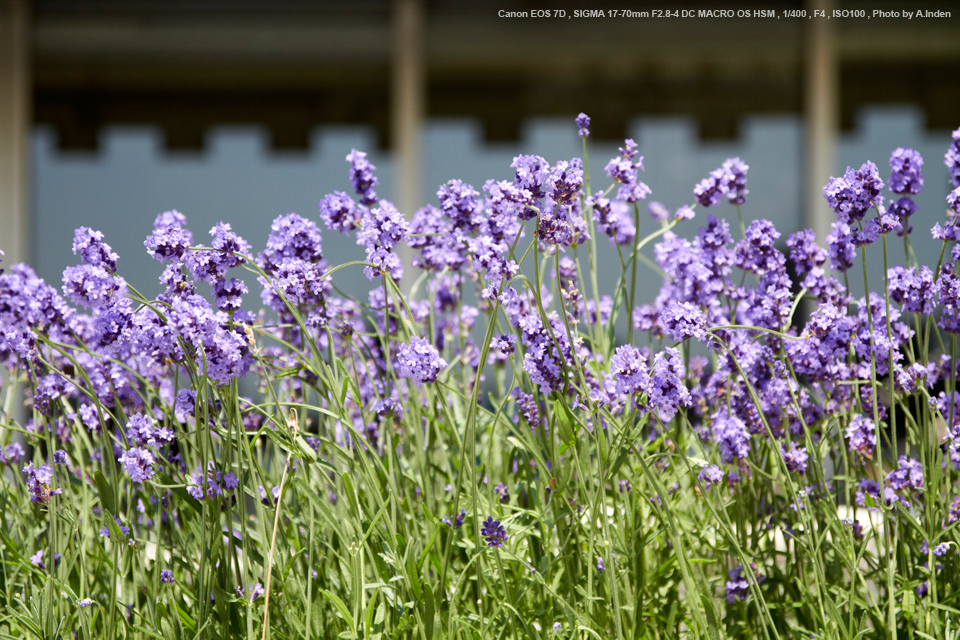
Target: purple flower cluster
(583, 122)
(738, 583)
(906, 176)
(729, 180)
(420, 361)
(862, 436)
(624, 169)
(38, 481)
(710, 476)
(855, 193)
(493, 532)
(952, 159)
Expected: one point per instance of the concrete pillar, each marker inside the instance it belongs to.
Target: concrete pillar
(408, 101)
(821, 112)
(15, 106)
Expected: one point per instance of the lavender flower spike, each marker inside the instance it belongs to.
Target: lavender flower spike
(493, 532)
(420, 360)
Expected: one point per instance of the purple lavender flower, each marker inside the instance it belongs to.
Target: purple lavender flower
(493, 532)
(734, 181)
(902, 209)
(339, 212)
(138, 463)
(362, 178)
(527, 407)
(600, 566)
(583, 121)
(916, 291)
(166, 576)
(91, 248)
(708, 191)
(531, 175)
(86, 602)
(861, 435)
(629, 369)
(92, 286)
(256, 591)
(905, 173)
(710, 476)
(658, 212)
(953, 200)
(38, 479)
(682, 320)
(565, 181)
(625, 486)
(420, 361)
(170, 239)
(908, 476)
(458, 201)
(37, 559)
(738, 586)
(795, 457)
(624, 169)
(842, 250)
(382, 229)
(667, 389)
(757, 252)
(731, 434)
(805, 253)
(228, 294)
(210, 265)
(12, 454)
(457, 521)
(950, 299)
(852, 195)
(144, 430)
(501, 491)
(952, 159)
(60, 456)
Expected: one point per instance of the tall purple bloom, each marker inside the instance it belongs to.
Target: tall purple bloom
(916, 291)
(952, 159)
(138, 463)
(583, 121)
(91, 248)
(170, 239)
(667, 389)
(730, 433)
(710, 476)
(493, 532)
(362, 178)
(852, 195)
(629, 369)
(339, 212)
(682, 320)
(38, 480)
(841, 248)
(905, 173)
(624, 169)
(419, 360)
(532, 173)
(862, 436)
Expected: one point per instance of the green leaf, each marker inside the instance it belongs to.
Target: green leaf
(341, 607)
(108, 498)
(429, 611)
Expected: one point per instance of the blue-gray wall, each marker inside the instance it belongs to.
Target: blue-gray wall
(238, 179)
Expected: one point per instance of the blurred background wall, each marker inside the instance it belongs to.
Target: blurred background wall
(112, 111)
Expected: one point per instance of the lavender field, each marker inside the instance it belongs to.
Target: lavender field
(495, 443)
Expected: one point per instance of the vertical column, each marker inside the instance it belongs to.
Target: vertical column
(15, 104)
(408, 101)
(822, 112)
